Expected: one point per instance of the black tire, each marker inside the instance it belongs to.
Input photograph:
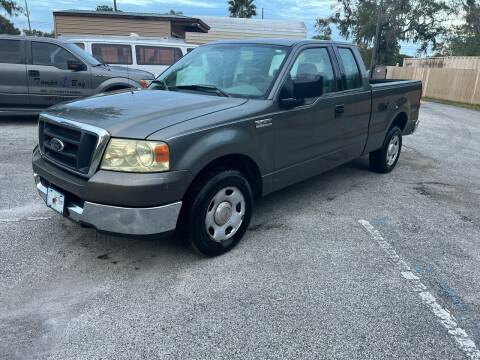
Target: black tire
(379, 159)
(196, 206)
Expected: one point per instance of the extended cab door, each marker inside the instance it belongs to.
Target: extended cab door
(49, 79)
(355, 100)
(13, 74)
(309, 137)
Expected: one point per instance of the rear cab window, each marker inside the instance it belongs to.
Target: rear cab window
(157, 55)
(11, 52)
(113, 53)
(352, 78)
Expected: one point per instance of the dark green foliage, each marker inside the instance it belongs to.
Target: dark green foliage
(38, 33)
(104, 8)
(420, 21)
(464, 40)
(242, 8)
(7, 27)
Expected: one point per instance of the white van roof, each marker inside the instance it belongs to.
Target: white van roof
(133, 38)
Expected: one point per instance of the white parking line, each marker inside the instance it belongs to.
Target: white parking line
(444, 316)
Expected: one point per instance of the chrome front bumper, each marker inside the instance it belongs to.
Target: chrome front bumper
(120, 220)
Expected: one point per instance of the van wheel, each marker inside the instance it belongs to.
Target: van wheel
(217, 212)
(384, 159)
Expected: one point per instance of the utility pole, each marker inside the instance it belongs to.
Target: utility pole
(115, 5)
(373, 62)
(28, 16)
(262, 13)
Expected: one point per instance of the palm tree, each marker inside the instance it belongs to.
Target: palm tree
(242, 8)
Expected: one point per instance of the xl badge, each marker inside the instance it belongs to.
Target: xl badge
(57, 144)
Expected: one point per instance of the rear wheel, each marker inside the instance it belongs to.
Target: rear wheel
(217, 212)
(384, 159)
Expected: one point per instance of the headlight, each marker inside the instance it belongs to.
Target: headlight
(136, 156)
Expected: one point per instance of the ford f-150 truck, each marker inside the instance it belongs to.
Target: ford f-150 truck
(229, 122)
(36, 73)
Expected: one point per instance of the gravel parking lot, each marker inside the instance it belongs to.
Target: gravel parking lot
(348, 265)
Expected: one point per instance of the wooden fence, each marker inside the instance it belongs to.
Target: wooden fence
(462, 85)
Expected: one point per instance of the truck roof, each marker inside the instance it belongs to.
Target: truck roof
(36, 38)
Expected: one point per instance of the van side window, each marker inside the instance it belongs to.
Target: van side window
(156, 55)
(10, 52)
(80, 45)
(353, 78)
(113, 53)
(51, 55)
(311, 63)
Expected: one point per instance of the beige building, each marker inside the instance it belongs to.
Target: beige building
(227, 28)
(81, 22)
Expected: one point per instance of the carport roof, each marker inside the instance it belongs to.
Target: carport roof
(194, 24)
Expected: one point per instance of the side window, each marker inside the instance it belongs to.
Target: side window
(314, 62)
(10, 52)
(189, 49)
(51, 55)
(353, 78)
(155, 55)
(80, 45)
(113, 53)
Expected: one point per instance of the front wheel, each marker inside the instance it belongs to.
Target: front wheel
(217, 212)
(384, 159)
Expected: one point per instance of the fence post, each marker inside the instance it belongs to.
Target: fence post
(476, 87)
(426, 83)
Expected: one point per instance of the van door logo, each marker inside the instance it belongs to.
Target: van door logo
(57, 144)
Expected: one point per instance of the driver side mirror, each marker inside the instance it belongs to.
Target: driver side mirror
(303, 87)
(76, 65)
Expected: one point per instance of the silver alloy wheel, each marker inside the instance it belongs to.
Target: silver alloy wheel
(393, 149)
(225, 214)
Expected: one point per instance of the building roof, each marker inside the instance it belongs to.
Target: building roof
(222, 28)
(193, 24)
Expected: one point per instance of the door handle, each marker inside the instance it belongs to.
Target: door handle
(263, 123)
(33, 73)
(339, 110)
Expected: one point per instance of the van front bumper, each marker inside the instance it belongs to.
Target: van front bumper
(116, 219)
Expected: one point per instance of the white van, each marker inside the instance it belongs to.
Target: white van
(145, 53)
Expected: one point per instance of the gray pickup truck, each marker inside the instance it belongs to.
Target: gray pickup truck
(36, 73)
(229, 122)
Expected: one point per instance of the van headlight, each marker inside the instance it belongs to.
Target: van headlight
(136, 156)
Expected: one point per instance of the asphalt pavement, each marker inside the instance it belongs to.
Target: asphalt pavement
(347, 265)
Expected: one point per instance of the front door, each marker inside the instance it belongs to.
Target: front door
(309, 139)
(13, 74)
(49, 79)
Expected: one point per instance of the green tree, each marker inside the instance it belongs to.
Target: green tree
(10, 7)
(242, 8)
(7, 27)
(38, 33)
(173, 12)
(465, 38)
(323, 30)
(419, 21)
(104, 8)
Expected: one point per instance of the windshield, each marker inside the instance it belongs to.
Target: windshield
(235, 69)
(83, 54)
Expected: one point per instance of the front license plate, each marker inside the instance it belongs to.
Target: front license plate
(55, 200)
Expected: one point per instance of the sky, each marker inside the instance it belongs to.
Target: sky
(296, 10)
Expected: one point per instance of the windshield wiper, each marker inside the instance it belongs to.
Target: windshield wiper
(207, 88)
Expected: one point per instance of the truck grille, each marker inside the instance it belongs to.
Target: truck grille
(73, 148)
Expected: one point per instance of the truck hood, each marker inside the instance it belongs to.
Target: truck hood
(139, 113)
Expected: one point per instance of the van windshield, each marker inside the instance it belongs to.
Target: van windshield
(234, 69)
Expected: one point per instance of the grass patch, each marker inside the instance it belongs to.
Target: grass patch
(454, 103)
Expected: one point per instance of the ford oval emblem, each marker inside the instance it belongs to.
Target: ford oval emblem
(57, 144)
